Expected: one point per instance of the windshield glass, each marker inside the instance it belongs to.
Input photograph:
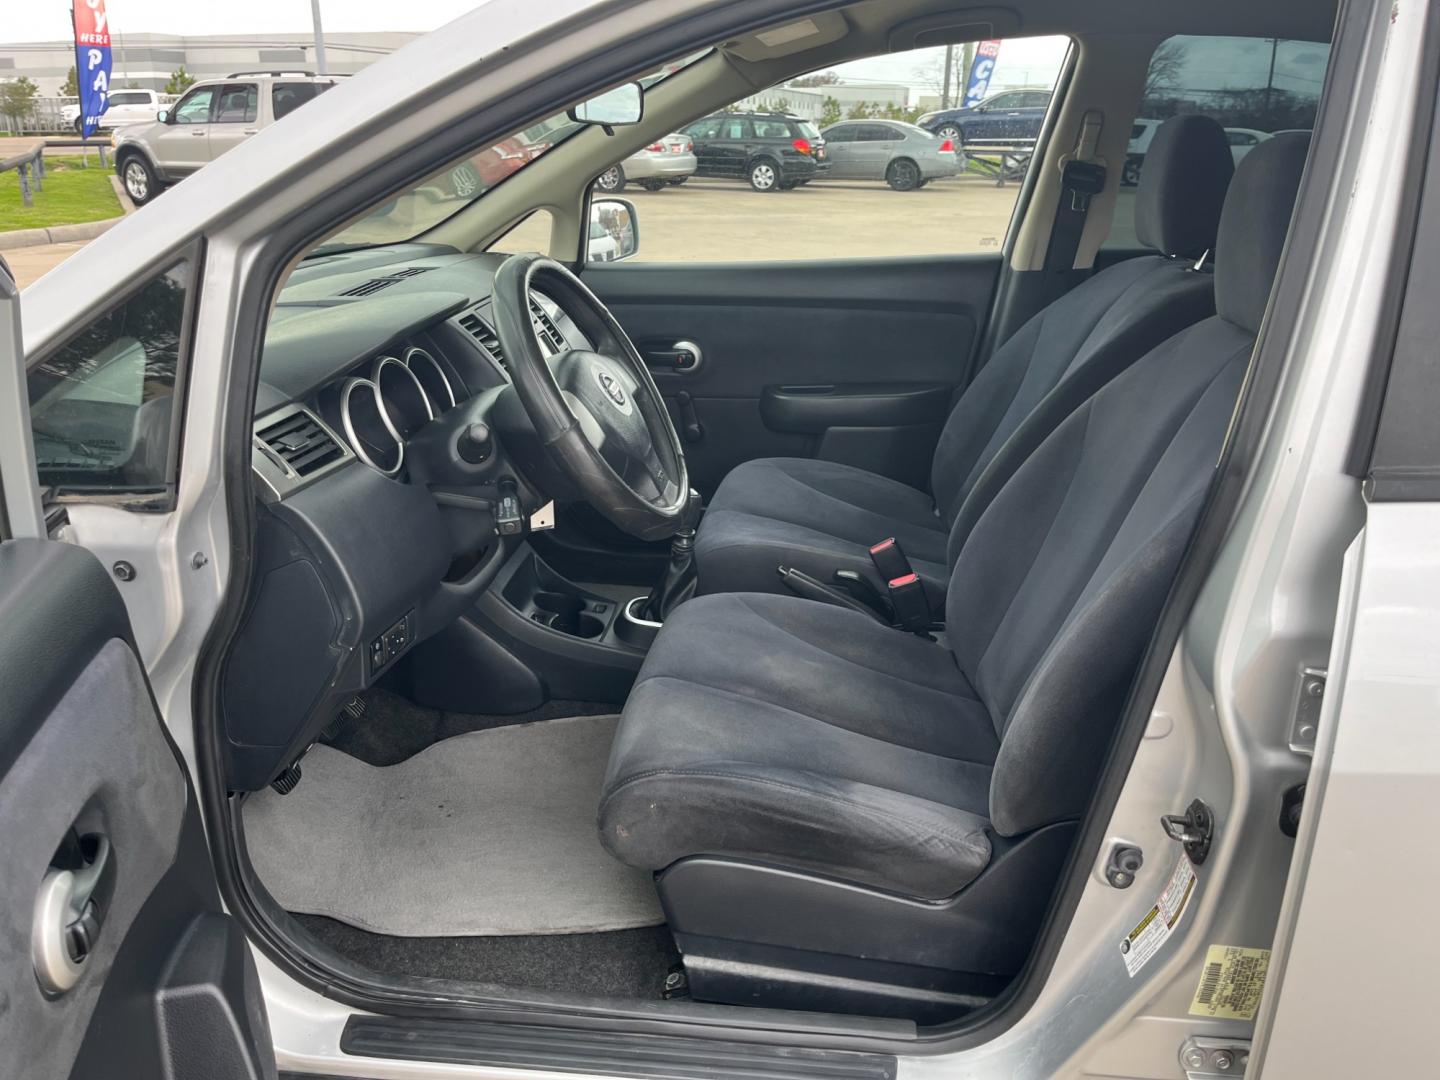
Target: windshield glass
(451, 189)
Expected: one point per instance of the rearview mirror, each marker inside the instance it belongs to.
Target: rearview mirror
(623, 105)
(163, 116)
(614, 232)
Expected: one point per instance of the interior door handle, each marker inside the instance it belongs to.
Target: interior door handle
(684, 357)
(68, 918)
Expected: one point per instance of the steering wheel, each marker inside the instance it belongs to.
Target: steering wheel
(598, 414)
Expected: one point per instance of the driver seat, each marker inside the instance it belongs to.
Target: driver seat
(841, 814)
(821, 516)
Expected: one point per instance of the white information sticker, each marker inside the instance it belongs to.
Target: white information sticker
(1151, 932)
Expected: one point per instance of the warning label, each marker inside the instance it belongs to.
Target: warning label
(1231, 983)
(1151, 932)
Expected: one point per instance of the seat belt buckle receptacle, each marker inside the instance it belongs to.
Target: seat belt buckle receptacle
(907, 598)
(889, 558)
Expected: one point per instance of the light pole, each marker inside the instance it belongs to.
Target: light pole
(319, 38)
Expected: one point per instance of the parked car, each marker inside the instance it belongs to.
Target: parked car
(671, 160)
(211, 118)
(905, 156)
(1243, 140)
(774, 151)
(126, 107)
(1141, 132)
(1008, 119)
(489, 167)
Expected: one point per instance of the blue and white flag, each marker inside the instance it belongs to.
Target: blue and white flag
(980, 72)
(92, 62)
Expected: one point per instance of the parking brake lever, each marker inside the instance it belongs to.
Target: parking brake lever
(808, 588)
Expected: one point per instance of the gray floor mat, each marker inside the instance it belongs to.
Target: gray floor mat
(492, 832)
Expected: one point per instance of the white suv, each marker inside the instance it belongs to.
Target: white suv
(126, 107)
(212, 117)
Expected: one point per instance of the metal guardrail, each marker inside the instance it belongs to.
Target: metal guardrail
(31, 165)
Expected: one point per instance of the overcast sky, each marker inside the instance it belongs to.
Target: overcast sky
(46, 20)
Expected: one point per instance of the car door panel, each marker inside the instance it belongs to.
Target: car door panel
(83, 754)
(848, 333)
(116, 956)
(236, 117)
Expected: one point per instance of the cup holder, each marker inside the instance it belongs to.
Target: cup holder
(586, 626)
(567, 614)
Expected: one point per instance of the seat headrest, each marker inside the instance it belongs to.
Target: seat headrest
(1253, 227)
(1182, 186)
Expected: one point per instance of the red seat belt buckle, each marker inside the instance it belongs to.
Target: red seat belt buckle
(907, 597)
(890, 559)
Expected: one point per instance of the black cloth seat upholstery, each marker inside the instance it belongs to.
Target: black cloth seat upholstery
(822, 516)
(795, 734)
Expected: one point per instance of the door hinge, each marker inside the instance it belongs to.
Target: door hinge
(1195, 828)
(1305, 720)
(1205, 1058)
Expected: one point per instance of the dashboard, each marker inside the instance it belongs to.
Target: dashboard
(393, 471)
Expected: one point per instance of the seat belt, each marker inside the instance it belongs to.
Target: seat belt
(1082, 178)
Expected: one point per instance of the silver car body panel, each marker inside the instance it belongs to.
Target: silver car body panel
(667, 164)
(870, 158)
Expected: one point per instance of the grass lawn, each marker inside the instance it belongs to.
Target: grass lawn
(72, 194)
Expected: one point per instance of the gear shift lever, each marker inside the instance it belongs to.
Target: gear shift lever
(679, 581)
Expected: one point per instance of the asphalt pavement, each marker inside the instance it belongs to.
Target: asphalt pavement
(720, 221)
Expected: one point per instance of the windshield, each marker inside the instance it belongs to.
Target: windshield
(451, 189)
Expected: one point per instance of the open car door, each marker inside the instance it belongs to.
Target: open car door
(116, 958)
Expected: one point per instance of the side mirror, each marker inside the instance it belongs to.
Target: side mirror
(163, 116)
(614, 108)
(614, 232)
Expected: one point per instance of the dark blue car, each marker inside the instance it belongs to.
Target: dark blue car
(1007, 120)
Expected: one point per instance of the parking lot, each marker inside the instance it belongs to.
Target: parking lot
(721, 221)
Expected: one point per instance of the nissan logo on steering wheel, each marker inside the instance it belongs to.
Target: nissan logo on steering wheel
(612, 387)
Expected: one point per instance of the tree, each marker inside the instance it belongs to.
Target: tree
(830, 111)
(931, 74)
(1165, 69)
(861, 110)
(180, 81)
(17, 99)
(819, 78)
(71, 87)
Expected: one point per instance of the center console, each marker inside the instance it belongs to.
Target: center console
(533, 636)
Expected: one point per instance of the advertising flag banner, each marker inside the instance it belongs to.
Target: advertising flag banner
(980, 71)
(92, 62)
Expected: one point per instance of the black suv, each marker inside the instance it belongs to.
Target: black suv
(773, 151)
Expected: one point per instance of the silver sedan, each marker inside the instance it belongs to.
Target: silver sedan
(669, 161)
(905, 156)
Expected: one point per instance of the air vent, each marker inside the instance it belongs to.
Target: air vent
(374, 285)
(301, 443)
(545, 326)
(480, 330)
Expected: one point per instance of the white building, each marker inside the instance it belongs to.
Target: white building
(809, 101)
(148, 60)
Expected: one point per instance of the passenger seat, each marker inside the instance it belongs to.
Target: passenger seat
(820, 516)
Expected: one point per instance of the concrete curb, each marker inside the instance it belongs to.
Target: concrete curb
(56, 234)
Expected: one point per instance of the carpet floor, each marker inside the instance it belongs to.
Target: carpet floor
(395, 728)
(486, 833)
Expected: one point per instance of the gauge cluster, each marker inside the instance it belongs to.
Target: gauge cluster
(380, 411)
